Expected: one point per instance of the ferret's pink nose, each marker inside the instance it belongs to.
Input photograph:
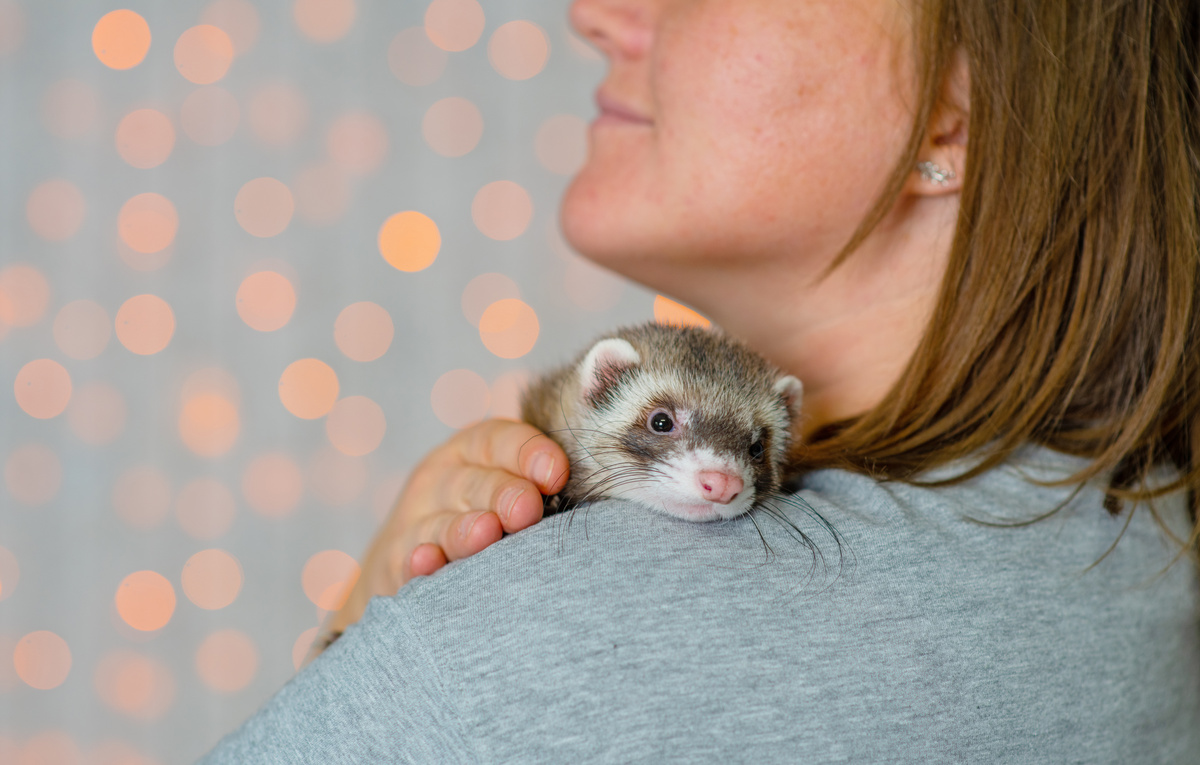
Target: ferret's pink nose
(719, 487)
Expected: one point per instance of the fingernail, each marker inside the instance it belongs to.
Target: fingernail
(464, 528)
(543, 465)
(508, 500)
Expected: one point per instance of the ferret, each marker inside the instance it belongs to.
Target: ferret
(687, 421)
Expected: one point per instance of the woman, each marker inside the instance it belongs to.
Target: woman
(971, 229)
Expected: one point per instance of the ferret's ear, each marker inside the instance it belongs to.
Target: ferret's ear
(604, 363)
(792, 392)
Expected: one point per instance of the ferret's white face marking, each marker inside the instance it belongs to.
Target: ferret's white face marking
(677, 489)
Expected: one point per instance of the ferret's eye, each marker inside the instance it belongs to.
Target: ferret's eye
(660, 422)
(756, 450)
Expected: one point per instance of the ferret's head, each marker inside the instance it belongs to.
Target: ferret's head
(686, 421)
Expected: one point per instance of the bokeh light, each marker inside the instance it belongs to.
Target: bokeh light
(145, 138)
(135, 685)
(81, 328)
(272, 485)
(506, 394)
(33, 474)
(25, 294)
(363, 331)
(322, 193)
(50, 747)
(509, 328)
(145, 600)
(454, 25)
(264, 207)
(116, 752)
(308, 388)
(148, 223)
(210, 115)
(55, 210)
(43, 388)
(70, 109)
(278, 114)
(324, 21)
(12, 27)
(203, 54)
(502, 210)
(121, 39)
(141, 496)
(356, 425)
(336, 479)
(211, 380)
(10, 574)
(460, 398)
(209, 424)
(239, 19)
(414, 60)
(561, 144)
(265, 301)
(205, 509)
(212, 579)
(357, 141)
(97, 413)
(145, 324)
(327, 578)
(452, 126)
(667, 311)
(42, 659)
(518, 50)
(227, 661)
(302, 646)
(484, 290)
(409, 241)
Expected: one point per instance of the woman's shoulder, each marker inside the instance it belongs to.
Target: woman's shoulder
(880, 614)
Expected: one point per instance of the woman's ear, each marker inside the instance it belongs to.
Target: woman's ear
(943, 155)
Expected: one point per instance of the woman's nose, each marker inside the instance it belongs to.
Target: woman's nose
(618, 28)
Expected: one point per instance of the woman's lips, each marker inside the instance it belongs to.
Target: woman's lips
(614, 112)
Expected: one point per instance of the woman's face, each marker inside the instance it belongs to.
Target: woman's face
(736, 129)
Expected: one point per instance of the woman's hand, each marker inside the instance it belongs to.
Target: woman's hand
(486, 480)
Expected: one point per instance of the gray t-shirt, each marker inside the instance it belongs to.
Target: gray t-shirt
(621, 635)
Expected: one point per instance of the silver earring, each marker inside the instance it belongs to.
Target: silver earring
(931, 172)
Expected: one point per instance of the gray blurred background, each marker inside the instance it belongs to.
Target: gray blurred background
(177, 509)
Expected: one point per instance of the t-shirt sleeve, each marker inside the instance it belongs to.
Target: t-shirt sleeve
(375, 695)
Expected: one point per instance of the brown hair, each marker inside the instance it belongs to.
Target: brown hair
(1070, 311)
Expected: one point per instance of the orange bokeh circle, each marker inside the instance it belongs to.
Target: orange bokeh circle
(328, 577)
(145, 324)
(42, 659)
(121, 39)
(148, 223)
(364, 331)
(266, 300)
(308, 388)
(509, 328)
(212, 579)
(355, 426)
(227, 660)
(410, 241)
(145, 600)
(43, 388)
(203, 54)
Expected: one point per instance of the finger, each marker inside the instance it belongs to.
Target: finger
(462, 534)
(426, 559)
(518, 448)
(516, 501)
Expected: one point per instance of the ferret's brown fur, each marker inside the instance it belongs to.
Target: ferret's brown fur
(729, 400)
